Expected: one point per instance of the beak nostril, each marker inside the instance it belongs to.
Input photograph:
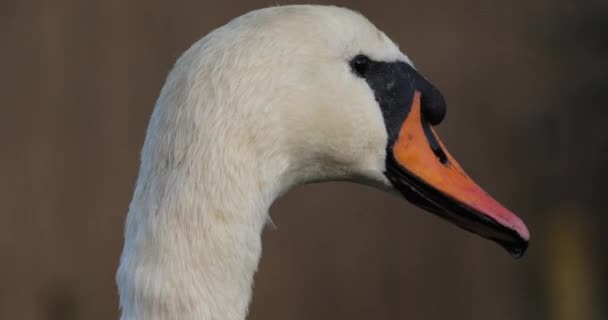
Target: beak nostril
(442, 157)
(433, 143)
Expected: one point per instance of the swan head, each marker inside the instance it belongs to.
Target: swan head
(336, 99)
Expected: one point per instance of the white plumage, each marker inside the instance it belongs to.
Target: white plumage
(261, 104)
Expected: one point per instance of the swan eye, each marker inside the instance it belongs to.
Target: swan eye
(360, 65)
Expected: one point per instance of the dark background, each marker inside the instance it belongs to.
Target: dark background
(527, 89)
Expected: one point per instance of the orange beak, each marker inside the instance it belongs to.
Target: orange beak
(419, 165)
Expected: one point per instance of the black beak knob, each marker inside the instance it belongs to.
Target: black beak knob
(432, 102)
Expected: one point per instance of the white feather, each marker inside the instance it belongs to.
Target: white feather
(266, 102)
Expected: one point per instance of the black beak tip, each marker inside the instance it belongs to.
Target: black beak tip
(516, 248)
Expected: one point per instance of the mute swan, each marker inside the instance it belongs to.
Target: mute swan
(276, 98)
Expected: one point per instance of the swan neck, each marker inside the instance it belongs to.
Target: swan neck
(193, 239)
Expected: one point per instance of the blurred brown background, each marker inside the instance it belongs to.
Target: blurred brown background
(527, 88)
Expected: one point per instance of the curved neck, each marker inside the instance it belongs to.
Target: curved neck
(193, 231)
(192, 254)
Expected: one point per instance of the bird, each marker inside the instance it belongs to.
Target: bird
(276, 98)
